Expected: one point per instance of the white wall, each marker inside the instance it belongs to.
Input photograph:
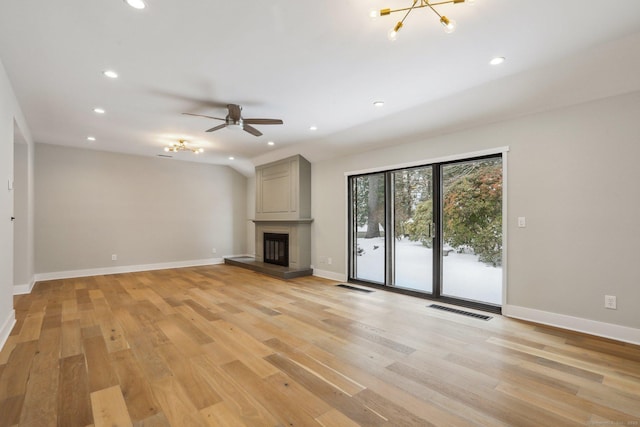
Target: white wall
(572, 172)
(10, 117)
(148, 211)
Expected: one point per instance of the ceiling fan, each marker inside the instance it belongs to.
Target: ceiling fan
(234, 120)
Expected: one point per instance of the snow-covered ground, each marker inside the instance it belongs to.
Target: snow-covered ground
(463, 275)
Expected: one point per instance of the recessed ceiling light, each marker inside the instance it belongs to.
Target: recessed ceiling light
(271, 143)
(378, 104)
(99, 110)
(136, 4)
(111, 74)
(231, 158)
(497, 60)
(313, 127)
(91, 138)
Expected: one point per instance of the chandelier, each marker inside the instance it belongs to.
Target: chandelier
(449, 24)
(181, 145)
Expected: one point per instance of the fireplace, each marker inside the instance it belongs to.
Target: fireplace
(276, 248)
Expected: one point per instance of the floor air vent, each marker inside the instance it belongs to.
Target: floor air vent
(455, 310)
(353, 288)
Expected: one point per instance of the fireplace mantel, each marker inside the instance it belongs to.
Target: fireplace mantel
(284, 221)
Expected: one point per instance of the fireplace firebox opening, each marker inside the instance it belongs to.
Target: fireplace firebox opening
(276, 249)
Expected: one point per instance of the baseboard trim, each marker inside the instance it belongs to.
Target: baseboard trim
(125, 269)
(24, 289)
(7, 326)
(578, 324)
(338, 277)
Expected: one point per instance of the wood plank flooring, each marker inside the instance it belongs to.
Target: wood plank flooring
(224, 346)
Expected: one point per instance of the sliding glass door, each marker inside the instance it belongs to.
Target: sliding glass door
(472, 230)
(368, 225)
(414, 229)
(434, 229)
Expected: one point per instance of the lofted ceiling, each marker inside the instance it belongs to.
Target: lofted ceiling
(308, 63)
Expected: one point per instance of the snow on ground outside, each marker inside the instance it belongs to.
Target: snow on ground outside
(463, 275)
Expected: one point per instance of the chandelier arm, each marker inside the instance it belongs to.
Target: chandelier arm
(409, 11)
(424, 3)
(434, 11)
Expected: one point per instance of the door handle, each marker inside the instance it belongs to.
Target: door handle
(432, 230)
(13, 218)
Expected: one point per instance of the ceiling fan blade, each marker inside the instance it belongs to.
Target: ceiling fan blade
(251, 130)
(224, 125)
(202, 115)
(263, 121)
(234, 112)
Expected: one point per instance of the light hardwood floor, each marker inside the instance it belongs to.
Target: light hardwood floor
(222, 346)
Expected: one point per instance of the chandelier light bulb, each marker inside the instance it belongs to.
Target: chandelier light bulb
(449, 24)
(393, 33)
(374, 14)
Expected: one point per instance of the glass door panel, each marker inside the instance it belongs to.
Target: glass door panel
(369, 234)
(472, 230)
(413, 228)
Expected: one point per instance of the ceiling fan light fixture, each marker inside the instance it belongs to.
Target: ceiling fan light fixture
(136, 4)
(235, 121)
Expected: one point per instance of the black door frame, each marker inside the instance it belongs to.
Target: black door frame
(437, 191)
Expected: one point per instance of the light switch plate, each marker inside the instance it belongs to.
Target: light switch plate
(522, 222)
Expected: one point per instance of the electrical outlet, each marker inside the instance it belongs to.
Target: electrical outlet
(610, 302)
(114, 257)
(329, 261)
(214, 251)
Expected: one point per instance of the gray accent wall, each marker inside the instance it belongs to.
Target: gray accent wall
(91, 204)
(573, 173)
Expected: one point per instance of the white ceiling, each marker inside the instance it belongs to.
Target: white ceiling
(319, 63)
